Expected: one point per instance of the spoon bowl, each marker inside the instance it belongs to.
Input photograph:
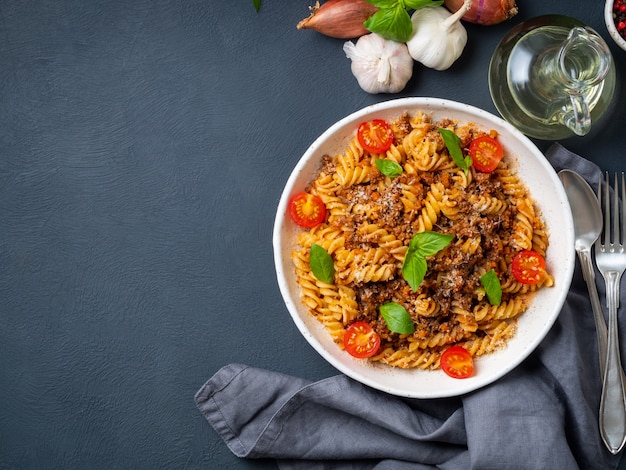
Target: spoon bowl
(588, 223)
(585, 209)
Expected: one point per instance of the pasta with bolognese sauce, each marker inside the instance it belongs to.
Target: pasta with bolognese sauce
(371, 219)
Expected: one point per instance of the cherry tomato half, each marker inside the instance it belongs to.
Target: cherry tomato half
(528, 267)
(375, 136)
(486, 153)
(307, 210)
(360, 340)
(457, 362)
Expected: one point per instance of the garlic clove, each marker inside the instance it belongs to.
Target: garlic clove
(384, 71)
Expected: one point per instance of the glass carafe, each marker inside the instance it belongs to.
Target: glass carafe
(552, 77)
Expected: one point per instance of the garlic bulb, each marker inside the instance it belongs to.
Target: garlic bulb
(379, 65)
(438, 36)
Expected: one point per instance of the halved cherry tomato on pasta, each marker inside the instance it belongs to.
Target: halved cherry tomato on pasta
(486, 153)
(457, 362)
(528, 267)
(360, 340)
(375, 136)
(307, 210)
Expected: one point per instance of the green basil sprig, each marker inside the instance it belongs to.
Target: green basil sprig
(492, 286)
(392, 20)
(321, 264)
(453, 143)
(422, 245)
(257, 4)
(388, 167)
(397, 318)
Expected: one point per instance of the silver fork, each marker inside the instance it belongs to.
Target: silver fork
(611, 261)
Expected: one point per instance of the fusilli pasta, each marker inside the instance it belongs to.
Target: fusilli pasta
(372, 217)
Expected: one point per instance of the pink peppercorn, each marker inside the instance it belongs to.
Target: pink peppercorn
(619, 17)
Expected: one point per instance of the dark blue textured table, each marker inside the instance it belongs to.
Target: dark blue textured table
(143, 148)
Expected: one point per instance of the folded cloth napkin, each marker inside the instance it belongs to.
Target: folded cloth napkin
(541, 415)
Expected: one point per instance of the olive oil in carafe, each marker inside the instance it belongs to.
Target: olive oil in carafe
(541, 76)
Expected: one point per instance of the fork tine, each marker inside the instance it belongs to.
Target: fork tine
(623, 210)
(600, 239)
(604, 188)
(615, 208)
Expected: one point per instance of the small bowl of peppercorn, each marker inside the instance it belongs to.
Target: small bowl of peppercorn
(615, 18)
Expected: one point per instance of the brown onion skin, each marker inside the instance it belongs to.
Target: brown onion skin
(341, 19)
(489, 13)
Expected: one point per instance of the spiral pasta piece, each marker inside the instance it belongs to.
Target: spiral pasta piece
(425, 306)
(431, 209)
(351, 168)
(504, 311)
(522, 236)
(487, 205)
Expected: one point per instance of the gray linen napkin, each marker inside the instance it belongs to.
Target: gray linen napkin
(542, 415)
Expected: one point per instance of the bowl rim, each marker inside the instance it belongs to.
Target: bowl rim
(610, 25)
(457, 387)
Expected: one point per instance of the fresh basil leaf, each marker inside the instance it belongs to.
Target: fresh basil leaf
(391, 23)
(257, 4)
(417, 4)
(453, 143)
(403, 27)
(321, 264)
(492, 286)
(414, 269)
(468, 163)
(421, 245)
(392, 20)
(397, 318)
(388, 167)
(381, 22)
(430, 243)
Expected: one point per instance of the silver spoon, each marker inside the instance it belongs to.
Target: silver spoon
(588, 222)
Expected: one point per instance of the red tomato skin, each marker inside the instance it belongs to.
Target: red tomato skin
(528, 267)
(457, 362)
(486, 153)
(360, 340)
(375, 136)
(306, 210)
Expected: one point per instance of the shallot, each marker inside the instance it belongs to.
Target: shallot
(485, 12)
(339, 18)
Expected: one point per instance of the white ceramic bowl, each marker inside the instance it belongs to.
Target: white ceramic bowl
(610, 25)
(534, 324)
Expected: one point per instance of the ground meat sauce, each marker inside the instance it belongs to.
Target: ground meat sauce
(452, 274)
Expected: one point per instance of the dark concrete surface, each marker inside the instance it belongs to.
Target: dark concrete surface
(143, 149)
